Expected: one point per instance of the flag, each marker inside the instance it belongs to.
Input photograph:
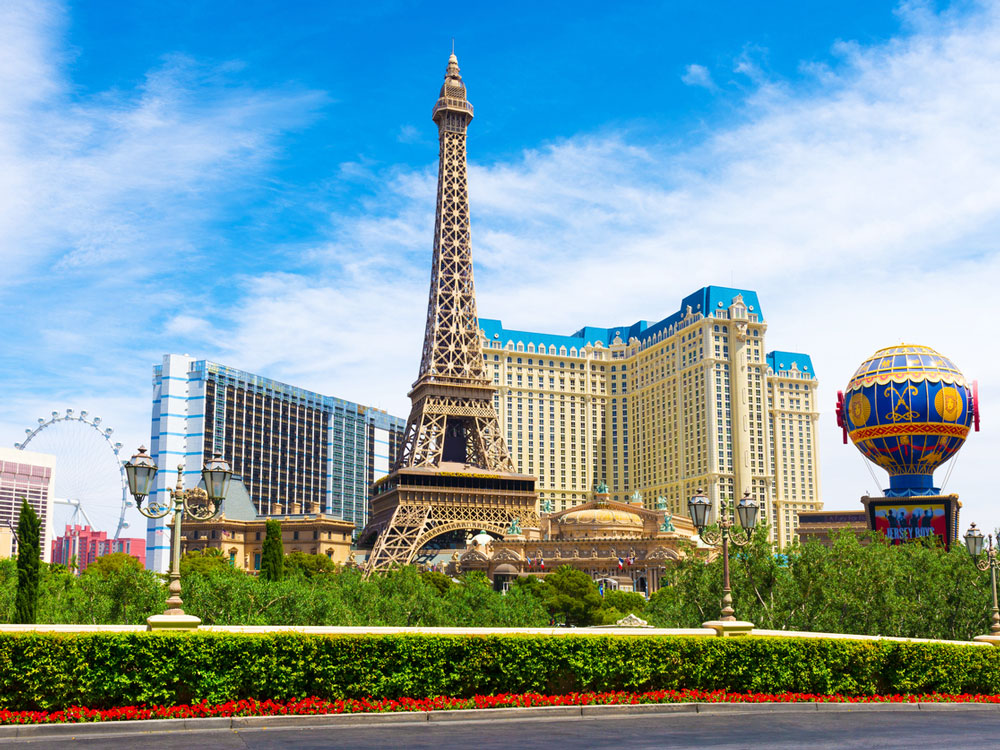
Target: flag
(621, 563)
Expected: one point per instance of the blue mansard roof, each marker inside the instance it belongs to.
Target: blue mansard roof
(782, 361)
(705, 301)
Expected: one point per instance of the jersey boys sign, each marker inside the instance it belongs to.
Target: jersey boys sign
(911, 520)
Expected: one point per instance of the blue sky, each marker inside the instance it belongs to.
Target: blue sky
(253, 183)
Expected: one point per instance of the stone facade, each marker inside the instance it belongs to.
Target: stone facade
(239, 531)
(623, 545)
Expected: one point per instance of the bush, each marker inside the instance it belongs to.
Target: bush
(570, 595)
(626, 602)
(116, 562)
(205, 561)
(301, 565)
(53, 671)
(860, 585)
(8, 588)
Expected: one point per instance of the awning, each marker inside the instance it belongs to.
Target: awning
(505, 569)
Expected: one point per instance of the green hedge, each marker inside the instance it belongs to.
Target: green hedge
(54, 671)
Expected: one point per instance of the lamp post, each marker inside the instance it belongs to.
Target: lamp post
(746, 513)
(217, 474)
(974, 543)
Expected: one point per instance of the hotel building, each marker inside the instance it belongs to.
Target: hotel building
(28, 475)
(288, 445)
(82, 545)
(694, 400)
(239, 530)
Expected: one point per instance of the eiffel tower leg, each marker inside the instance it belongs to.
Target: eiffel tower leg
(492, 444)
(396, 544)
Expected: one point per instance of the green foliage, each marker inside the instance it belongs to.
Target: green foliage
(53, 671)
(401, 598)
(915, 590)
(301, 565)
(206, 561)
(529, 585)
(124, 595)
(8, 588)
(571, 596)
(29, 529)
(607, 616)
(438, 580)
(272, 558)
(110, 594)
(625, 602)
(116, 562)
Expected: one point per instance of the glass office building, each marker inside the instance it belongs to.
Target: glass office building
(288, 444)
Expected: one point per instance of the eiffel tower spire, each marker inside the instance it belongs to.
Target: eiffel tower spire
(451, 338)
(452, 418)
(453, 471)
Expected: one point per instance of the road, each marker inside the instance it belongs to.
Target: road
(905, 727)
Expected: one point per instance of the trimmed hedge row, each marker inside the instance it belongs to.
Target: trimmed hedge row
(49, 671)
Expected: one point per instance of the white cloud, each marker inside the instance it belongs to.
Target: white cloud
(863, 205)
(862, 209)
(106, 200)
(118, 175)
(409, 134)
(698, 75)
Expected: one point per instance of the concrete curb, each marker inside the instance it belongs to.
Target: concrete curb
(472, 714)
(475, 715)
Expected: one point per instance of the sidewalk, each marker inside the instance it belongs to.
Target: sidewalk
(468, 716)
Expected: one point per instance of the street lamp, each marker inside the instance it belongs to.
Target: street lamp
(217, 474)
(746, 512)
(974, 543)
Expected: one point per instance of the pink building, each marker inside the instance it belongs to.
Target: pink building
(87, 545)
(31, 476)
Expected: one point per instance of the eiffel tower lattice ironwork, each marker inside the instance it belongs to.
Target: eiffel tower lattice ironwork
(453, 471)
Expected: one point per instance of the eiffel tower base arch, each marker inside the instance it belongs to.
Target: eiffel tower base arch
(413, 507)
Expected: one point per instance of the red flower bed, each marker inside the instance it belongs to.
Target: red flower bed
(308, 706)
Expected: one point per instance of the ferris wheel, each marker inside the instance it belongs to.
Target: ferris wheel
(90, 475)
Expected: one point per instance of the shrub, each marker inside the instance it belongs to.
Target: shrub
(302, 565)
(116, 562)
(206, 561)
(54, 671)
(625, 602)
(571, 596)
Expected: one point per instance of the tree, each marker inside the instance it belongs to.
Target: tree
(116, 562)
(117, 589)
(272, 558)
(860, 584)
(300, 565)
(625, 602)
(29, 527)
(529, 585)
(571, 595)
(205, 561)
(438, 580)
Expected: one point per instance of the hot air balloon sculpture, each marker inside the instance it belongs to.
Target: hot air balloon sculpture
(908, 410)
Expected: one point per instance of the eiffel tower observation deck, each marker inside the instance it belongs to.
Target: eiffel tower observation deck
(453, 471)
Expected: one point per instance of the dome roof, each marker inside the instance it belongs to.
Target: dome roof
(906, 362)
(482, 539)
(601, 517)
(908, 409)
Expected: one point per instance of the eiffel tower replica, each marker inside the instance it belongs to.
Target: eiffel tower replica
(453, 471)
